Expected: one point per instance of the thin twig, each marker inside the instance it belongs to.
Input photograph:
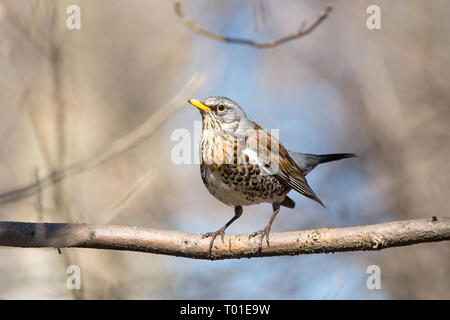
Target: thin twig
(38, 197)
(38, 132)
(135, 190)
(130, 140)
(174, 243)
(196, 28)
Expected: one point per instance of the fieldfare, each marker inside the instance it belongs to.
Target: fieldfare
(242, 164)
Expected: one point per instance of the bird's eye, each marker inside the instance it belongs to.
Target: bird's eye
(220, 108)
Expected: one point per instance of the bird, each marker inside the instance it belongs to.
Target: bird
(241, 164)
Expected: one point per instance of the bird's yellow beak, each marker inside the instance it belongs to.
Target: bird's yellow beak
(198, 104)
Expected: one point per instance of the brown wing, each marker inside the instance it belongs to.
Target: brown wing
(275, 159)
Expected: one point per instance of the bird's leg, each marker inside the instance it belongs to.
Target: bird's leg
(266, 231)
(221, 231)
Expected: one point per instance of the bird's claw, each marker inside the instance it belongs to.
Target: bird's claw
(264, 234)
(213, 236)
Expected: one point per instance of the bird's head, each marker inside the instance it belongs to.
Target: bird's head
(221, 114)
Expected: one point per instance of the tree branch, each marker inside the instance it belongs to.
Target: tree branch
(196, 28)
(371, 237)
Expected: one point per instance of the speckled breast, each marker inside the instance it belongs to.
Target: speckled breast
(229, 175)
(242, 184)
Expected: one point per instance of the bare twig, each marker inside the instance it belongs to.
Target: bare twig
(135, 190)
(39, 207)
(371, 237)
(196, 28)
(38, 132)
(130, 140)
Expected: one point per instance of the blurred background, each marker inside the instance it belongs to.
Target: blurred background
(383, 94)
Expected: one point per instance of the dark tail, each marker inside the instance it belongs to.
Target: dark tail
(334, 156)
(306, 161)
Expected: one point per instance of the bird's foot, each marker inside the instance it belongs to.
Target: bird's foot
(264, 234)
(213, 235)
